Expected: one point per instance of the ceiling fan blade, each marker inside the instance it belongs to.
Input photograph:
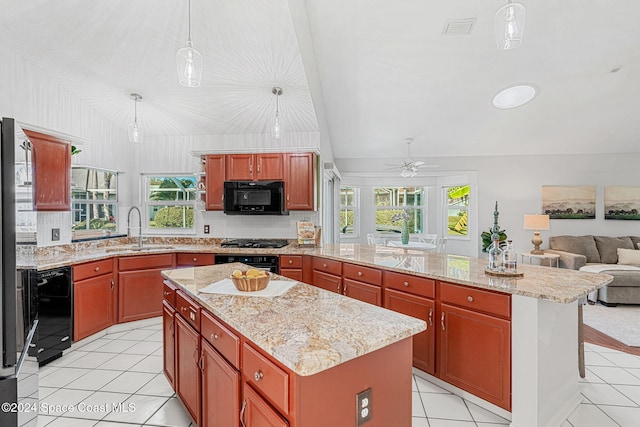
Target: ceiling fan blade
(419, 163)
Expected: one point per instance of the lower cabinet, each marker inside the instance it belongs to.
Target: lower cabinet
(169, 342)
(362, 291)
(188, 379)
(327, 281)
(291, 267)
(220, 390)
(424, 350)
(257, 413)
(94, 298)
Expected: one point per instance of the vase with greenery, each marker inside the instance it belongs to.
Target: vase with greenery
(489, 236)
(405, 217)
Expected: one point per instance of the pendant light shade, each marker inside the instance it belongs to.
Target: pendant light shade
(509, 24)
(276, 129)
(189, 62)
(135, 135)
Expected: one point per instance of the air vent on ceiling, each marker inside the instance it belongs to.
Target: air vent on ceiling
(458, 27)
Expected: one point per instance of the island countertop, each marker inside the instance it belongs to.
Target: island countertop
(307, 329)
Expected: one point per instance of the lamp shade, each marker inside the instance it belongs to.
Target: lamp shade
(536, 222)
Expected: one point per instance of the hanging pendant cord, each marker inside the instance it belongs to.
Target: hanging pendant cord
(189, 36)
(135, 111)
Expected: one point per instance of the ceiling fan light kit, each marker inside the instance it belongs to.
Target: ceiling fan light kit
(409, 168)
(189, 62)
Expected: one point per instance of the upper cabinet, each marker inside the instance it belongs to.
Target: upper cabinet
(51, 159)
(214, 179)
(299, 181)
(254, 167)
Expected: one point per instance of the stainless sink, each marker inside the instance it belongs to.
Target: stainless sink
(136, 248)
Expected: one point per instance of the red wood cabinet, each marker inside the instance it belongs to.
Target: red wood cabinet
(364, 292)
(256, 412)
(299, 181)
(424, 350)
(215, 175)
(169, 342)
(51, 171)
(327, 281)
(220, 390)
(254, 167)
(140, 286)
(291, 267)
(94, 298)
(188, 379)
(187, 259)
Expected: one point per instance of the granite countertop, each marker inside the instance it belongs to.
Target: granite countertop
(553, 284)
(307, 329)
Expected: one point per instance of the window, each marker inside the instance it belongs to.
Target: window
(349, 202)
(94, 200)
(390, 201)
(457, 210)
(169, 203)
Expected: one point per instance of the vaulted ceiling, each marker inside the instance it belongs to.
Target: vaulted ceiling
(367, 73)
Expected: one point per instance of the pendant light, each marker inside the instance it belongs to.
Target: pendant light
(509, 25)
(189, 62)
(276, 129)
(134, 129)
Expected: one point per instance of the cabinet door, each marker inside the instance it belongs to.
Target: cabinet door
(292, 273)
(424, 350)
(51, 171)
(139, 294)
(269, 166)
(362, 291)
(215, 174)
(239, 167)
(220, 390)
(299, 181)
(258, 413)
(93, 305)
(327, 281)
(475, 353)
(188, 379)
(169, 343)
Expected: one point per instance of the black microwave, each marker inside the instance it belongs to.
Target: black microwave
(254, 198)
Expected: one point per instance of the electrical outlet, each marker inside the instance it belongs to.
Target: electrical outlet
(363, 407)
(55, 234)
(206, 229)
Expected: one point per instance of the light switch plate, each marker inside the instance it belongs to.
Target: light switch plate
(55, 234)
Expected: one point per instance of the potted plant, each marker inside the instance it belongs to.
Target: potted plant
(486, 239)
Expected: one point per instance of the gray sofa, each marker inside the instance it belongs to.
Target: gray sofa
(578, 251)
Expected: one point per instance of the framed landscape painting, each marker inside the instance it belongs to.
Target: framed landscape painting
(569, 202)
(621, 202)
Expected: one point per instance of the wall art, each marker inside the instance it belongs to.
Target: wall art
(621, 202)
(569, 202)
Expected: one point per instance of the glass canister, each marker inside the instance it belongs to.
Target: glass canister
(495, 256)
(510, 258)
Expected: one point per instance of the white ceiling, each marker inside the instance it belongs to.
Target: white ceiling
(385, 70)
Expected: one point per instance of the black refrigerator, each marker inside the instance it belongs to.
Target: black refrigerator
(18, 318)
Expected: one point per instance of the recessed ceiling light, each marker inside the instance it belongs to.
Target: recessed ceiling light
(514, 96)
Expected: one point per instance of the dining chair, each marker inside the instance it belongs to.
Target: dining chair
(441, 243)
(423, 237)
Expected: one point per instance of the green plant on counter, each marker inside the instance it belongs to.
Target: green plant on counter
(486, 239)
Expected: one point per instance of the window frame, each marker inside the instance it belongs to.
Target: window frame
(447, 206)
(422, 207)
(147, 203)
(87, 202)
(356, 212)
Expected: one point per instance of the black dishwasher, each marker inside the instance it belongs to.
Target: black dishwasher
(55, 307)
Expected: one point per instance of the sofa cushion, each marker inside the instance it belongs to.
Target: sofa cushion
(608, 247)
(628, 256)
(584, 245)
(636, 241)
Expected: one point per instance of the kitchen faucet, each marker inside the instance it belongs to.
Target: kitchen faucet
(139, 224)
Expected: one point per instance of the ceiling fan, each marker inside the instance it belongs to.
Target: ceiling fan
(409, 168)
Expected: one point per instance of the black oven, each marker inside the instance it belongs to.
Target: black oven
(254, 198)
(263, 262)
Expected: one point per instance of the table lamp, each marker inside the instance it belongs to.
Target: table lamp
(536, 223)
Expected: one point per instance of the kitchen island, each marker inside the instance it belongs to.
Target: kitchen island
(316, 357)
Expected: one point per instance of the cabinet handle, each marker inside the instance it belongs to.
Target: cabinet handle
(96, 269)
(250, 169)
(406, 284)
(338, 289)
(442, 320)
(202, 361)
(214, 336)
(287, 197)
(113, 283)
(324, 265)
(431, 317)
(470, 298)
(258, 375)
(258, 168)
(165, 293)
(360, 273)
(244, 406)
(183, 309)
(290, 261)
(195, 259)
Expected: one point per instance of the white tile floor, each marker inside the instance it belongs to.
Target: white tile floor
(125, 368)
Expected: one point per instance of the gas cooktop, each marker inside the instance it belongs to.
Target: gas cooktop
(254, 243)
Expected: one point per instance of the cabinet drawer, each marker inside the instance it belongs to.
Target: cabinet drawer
(413, 284)
(225, 341)
(169, 293)
(92, 269)
(194, 259)
(290, 261)
(476, 299)
(328, 282)
(265, 376)
(368, 275)
(188, 309)
(328, 266)
(142, 262)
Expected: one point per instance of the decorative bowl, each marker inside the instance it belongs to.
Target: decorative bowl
(251, 284)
